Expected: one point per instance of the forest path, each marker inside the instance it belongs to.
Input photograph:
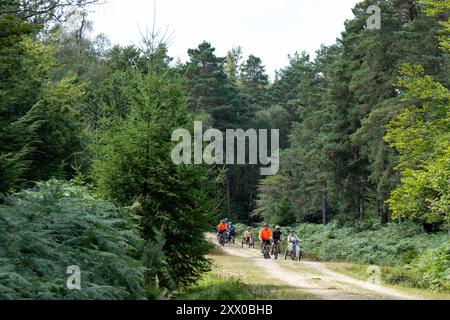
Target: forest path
(312, 278)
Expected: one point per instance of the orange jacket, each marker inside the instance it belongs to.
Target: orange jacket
(265, 234)
(222, 227)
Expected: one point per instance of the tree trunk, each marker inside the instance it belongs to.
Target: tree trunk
(361, 201)
(324, 204)
(228, 192)
(384, 215)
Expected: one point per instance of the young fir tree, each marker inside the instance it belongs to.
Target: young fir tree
(133, 163)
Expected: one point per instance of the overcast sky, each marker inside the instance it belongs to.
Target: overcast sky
(270, 29)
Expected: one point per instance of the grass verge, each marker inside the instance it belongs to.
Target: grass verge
(232, 279)
(359, 271)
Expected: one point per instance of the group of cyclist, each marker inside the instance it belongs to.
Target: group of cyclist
(266, 235)
(227, 229)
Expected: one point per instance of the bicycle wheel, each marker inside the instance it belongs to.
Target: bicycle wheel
(266, 252)
(297, 254)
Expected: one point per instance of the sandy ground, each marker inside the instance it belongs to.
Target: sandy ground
(314, 278)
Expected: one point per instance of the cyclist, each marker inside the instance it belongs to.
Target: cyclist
(291, 239)
(227, 230)
(221, 228)
(265, 234)
(248, 236)
(231, 232)
(276, 238)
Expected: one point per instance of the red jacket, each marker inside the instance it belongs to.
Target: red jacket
(222, 227)
(265, 234)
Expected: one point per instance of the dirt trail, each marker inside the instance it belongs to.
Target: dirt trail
(315, 278)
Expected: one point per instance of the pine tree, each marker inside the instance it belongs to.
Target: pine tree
(254, 82)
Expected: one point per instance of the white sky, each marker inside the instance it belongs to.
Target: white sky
(269, 29)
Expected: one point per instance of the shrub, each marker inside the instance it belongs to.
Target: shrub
(57, 224)
(408, 255)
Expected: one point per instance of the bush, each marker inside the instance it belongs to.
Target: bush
(432, 269)
(57, 224)
(408, 255)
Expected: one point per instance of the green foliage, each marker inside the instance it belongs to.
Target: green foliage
(40, 126)
(406, 254)
(232, 64)
(22, 68)
(274, 117)
(429, 271)
(440, 8)
(208, 88)
(55, 225)
(337, 162)
(355, 146)
(58, 145)
(254, 81)
(421, 134)
(273, 206)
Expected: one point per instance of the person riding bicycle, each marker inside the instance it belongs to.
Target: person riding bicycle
(276, 237)
(265, 234)
(248, 235)
(231, 231)
(221, 228)
(227, 229)
(291, 239)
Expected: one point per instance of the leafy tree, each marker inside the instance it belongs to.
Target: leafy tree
(421, 134)
(26, 87)
(440, 8)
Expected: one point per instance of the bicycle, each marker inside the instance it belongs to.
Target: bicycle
(295, 254)
(231, 237)
(221, 239)
(248, 241)
(266, 249)
(276, 249)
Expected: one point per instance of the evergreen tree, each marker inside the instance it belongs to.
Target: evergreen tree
(233, 63)
(254, 82)
(132, 163)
